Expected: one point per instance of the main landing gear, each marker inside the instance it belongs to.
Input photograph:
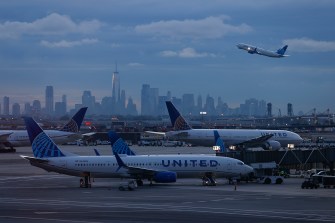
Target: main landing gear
(131, 185)
(208, 180)
(85, 182)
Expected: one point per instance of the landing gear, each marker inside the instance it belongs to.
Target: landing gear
(208, 180)
(85, 182)
(131, 185)
(139, 182)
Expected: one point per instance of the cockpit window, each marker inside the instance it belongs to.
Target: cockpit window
(240, 163)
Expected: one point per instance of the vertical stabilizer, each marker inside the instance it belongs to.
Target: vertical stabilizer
(219, 141)
(178, 122)
(42, 145)
(74, 124)
(282, 50)
(118, 145)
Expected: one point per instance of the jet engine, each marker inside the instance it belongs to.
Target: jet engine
(165, 177)
(271, 145)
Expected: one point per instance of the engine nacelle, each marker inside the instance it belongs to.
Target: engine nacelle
(272, 145)
(165, 177)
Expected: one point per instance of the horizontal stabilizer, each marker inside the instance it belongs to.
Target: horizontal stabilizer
(35, 160)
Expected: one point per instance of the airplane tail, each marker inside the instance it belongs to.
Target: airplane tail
(219, 141)
(177, 120)
(74, 124)
(118, 145)
(42, 145)
(282, 51)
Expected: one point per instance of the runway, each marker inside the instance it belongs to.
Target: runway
(29, 194)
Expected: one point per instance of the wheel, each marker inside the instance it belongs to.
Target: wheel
(267, 181)
(279, 181)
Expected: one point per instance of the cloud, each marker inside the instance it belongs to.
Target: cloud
(207, 28)
(68, 44)
(135, 64)
(310, 45)
(53, 24)
(186, 53)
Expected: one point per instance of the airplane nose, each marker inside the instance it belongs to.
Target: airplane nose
(249, 170)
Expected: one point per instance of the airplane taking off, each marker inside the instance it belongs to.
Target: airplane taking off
(255, 50)
(267, 139)
(158, 168)
(69, 133)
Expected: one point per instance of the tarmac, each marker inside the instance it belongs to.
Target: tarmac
(29, 194)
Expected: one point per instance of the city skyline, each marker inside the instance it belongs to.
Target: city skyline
(153, 103)
(178, 46)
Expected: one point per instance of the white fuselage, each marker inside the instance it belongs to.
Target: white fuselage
(19, 138)
(185, 166)
(205, 137)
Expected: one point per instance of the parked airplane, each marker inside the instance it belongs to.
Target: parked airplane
(69, 133)
(267, 139)
(158, 168)
(255, 50)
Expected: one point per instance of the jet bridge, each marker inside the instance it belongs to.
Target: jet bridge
(289, 157)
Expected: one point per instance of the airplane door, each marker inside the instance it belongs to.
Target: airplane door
(229, 167)
(62, 163)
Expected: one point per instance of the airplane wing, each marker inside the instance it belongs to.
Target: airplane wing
(170, 134)
(4, 136)
(159, 176)
(156, 133)
(135, 171)
(34, 159)
(255, 141)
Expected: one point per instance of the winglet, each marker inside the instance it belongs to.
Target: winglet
(74, 124)
(119, 161)
(41, 143)
(96, 152)
(118, 145)
(177, 120)
(219, 141)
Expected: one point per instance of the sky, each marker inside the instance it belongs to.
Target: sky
(184, 46)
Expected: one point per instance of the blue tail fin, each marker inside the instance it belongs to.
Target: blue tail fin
(42, 145)
(177, 121)
(282, 50)
(74, 124)
(118, 145)
(219, 141)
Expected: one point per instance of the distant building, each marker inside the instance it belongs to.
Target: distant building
(36, 108)
(27, 109)
(131, 107)
(88, 101)
(16, 111)
(49, 100)
(6, 105)
(60, 109)
(149, 100)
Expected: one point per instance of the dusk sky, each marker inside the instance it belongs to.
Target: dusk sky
(183, 46)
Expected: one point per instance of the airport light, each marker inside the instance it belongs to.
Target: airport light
(216, 148)
(202, 113)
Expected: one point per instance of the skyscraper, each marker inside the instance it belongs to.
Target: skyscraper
(16, 110)
(6, 105)
(149, 100)
(116, 87)
(49, 100)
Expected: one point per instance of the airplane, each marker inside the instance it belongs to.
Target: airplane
(69, 133)
(255, 50)
(157, 168)
(238, 138)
